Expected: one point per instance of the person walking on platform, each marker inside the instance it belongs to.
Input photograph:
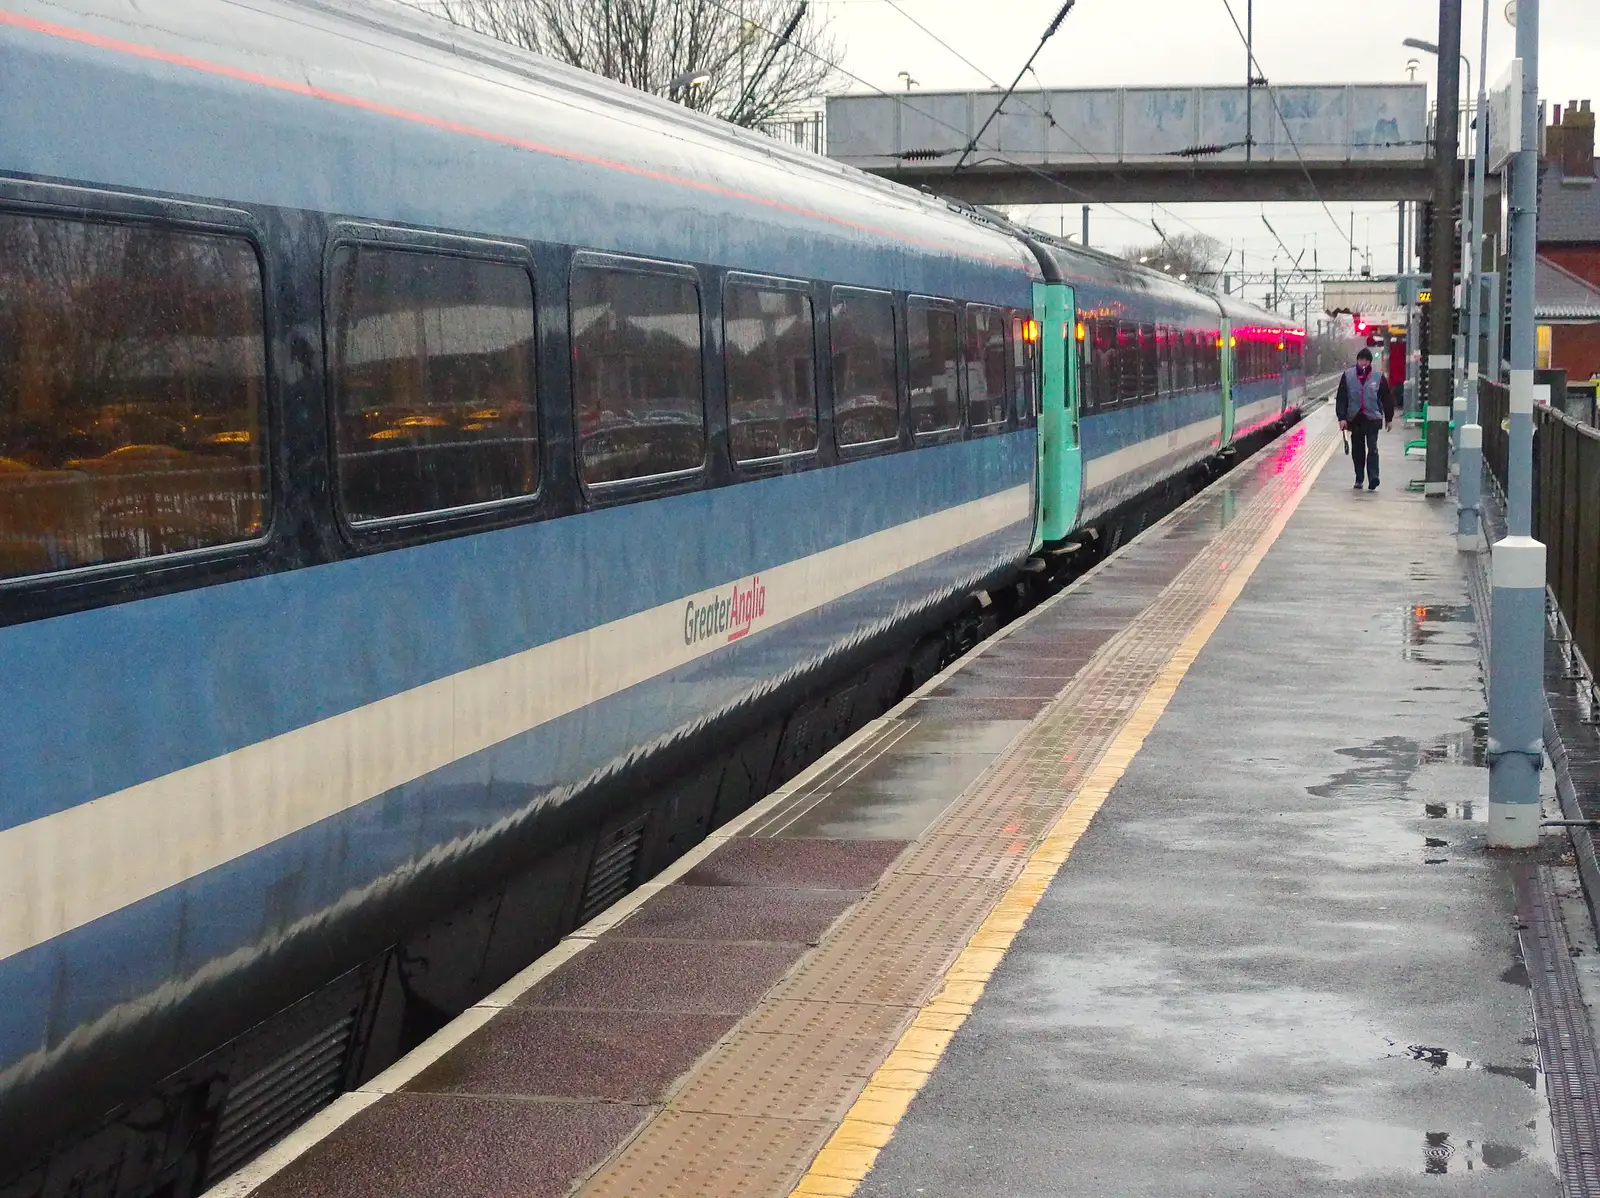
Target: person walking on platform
(1364, 406)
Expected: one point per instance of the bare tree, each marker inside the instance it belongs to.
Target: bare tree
(746, 61)
(1194, 255)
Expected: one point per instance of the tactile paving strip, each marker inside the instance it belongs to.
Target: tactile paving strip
(685, 1154)
(755, 1111)
(795, 1060)
(894, 946)
(1566, 1046)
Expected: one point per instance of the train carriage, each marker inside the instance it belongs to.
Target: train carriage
(437, 486)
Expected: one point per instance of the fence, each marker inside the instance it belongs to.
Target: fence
(1566, 517)
(1566, 506)
(1494, 409)
(806, 130)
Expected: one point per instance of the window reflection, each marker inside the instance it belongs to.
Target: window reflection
(1022, 358)
(434, 381)
(986, 365)
(636, 373)
(865, 399)
(934, 354)
(132, 361)
(772, 393)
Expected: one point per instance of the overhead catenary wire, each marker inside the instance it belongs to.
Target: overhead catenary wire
(1077, 194)
(1050, 32)
(1278, 112)
(1048, 115)
(1081, 196)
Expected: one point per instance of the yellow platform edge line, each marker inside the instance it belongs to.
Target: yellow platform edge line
(848, 1156)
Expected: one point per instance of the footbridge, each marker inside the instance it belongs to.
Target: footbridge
(1155, 144)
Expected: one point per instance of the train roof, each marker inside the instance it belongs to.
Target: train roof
(313, 94)
(1085, 264)
(1240, 314)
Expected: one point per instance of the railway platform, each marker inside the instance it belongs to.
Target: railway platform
(1177, 886)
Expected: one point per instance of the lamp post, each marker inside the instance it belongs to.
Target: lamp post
(1516, 650)
(1441, 360)
(1469, 230)
(1470, 456)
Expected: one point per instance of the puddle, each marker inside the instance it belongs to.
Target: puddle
(1439, 634)
(1467, 747)
(1443, 1058)
(1388, 767)
(1351, 1148)
(1466, 810)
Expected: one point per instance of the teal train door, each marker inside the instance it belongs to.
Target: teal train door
(1060, 450)
(1227, 348)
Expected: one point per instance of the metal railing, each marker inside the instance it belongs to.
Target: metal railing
(1566, 506)
(1494, 409)
(807, 130)
(1566, 517)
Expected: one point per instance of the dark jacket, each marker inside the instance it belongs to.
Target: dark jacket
(1347, 403)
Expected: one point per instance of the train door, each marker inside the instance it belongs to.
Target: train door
(1060, 450)
(1226, 346)
(1283, 371)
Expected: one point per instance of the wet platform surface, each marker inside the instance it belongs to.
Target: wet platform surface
(1150, 895)
(1279, 962)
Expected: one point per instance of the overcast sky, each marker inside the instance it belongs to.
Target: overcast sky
(1108, 43)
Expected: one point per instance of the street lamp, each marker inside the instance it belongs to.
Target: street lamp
(905, 77)
(1416, 43)
(1467, 229)
(686, 82)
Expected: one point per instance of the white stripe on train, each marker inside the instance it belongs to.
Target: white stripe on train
(66, 869)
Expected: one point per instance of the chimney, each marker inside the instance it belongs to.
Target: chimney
(1569, 141)
(1577, 142)
(1553, 137)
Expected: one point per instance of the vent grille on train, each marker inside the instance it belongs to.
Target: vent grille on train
(267, 1105)
(611, 873)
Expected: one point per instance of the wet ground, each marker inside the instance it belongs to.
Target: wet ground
(1280, 961)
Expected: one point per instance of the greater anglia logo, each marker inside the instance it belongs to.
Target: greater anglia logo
(730, 613)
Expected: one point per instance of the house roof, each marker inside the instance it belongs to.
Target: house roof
(1569, 209)
(1560, 295)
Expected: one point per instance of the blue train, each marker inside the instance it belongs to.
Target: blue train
(436, 488)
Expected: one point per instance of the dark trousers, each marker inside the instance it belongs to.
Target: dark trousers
(1364, 450)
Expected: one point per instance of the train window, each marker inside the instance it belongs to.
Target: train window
(636, 378)
(1127, 362)
(772, 389)
(1023, 349)
(132, 418)
(985, 354)
(1169, 347)
(433, 373)
(865, 390)
(1088, 395)
(1108, 358)
(1148, 369)
(934, 353)
(1187, 364)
